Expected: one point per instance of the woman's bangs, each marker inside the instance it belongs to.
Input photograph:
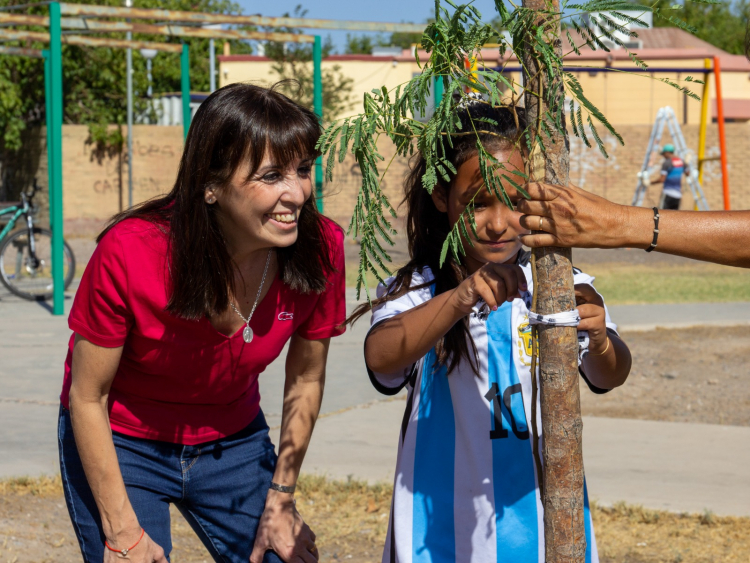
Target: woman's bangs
(287, 135)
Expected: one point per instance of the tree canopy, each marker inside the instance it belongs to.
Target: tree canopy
(721, 23)
(94, 85)
(362, 44)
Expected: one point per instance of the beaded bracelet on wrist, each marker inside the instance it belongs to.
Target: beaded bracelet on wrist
(656, 230)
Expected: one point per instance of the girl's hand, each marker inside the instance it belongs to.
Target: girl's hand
(147, 550)
(495, 283)
(282, 530)
(591, 308)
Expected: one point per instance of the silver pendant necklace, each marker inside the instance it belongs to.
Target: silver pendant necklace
(247, 333)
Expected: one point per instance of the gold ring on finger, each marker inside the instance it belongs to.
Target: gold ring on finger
(541, 219)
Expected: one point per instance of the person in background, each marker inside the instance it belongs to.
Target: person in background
(672, 170)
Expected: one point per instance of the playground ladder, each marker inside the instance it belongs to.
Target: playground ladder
(667, 117)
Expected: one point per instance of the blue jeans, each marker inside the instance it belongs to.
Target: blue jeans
(219, 487)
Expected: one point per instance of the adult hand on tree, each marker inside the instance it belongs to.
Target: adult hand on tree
(571, 217)
(283, 531)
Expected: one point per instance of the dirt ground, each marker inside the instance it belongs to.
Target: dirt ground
(350, 520)
(692, 375)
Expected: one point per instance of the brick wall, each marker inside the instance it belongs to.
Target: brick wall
(95, 184)
(340, 195)
(615, 178)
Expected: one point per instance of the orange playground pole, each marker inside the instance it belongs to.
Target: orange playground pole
(722, 134)
(705, 108)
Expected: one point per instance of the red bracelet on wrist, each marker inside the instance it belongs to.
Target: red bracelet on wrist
(125, 551)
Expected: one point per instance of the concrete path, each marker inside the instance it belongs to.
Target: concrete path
(661, 465)
(675, 315)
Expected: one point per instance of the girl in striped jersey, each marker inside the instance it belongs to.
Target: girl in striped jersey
(466, 484)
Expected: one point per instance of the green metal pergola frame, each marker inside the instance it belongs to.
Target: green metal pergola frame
(53, 79)
(53, 89)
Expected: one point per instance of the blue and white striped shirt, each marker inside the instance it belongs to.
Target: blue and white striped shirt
(466, 488)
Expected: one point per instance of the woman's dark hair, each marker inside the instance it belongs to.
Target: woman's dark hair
(427, 228)
(240, 122)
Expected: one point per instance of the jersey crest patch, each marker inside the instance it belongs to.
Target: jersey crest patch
(524, 342)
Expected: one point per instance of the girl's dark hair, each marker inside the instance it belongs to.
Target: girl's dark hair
(427, 228)
(236, 123)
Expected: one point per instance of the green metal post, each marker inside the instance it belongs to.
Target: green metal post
(55, 162)
(48, 123)
(185, 82)
(438, 91)
(318, 109)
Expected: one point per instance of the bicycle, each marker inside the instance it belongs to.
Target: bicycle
(26, 255)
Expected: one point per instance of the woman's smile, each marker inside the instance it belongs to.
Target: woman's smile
(286, 218)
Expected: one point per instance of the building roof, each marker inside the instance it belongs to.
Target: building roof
(659, 38)
(656, 43)
(734, 109)
(661, 43)
(674, 38)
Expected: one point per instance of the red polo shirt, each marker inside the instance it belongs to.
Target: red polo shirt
(182, 381)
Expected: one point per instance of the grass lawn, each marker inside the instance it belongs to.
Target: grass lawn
(628, 284)
(624, 284)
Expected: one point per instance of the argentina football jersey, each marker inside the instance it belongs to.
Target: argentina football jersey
(466, 488)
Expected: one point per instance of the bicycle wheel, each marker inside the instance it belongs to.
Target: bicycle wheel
(26, 276)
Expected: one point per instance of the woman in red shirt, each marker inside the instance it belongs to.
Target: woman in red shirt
(186, 300)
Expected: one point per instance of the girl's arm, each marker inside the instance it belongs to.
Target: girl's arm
(281, 527)
(398, 342)
(607, 365)
(612, 367)
(93, 370)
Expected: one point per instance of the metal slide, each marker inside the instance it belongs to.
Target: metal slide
(667, 117)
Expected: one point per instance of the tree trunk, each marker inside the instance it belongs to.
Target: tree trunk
(562, 483)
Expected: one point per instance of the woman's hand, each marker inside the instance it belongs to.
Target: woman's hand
(495, 283)
(571, 217)
(593, 317)
(282, 530)
(146, 551)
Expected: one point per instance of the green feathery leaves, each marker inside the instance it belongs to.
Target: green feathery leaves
(401, 115)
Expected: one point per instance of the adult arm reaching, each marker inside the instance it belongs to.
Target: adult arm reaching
(571, 217)
(281, 526)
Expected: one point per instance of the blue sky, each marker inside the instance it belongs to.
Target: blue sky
(414, 11)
